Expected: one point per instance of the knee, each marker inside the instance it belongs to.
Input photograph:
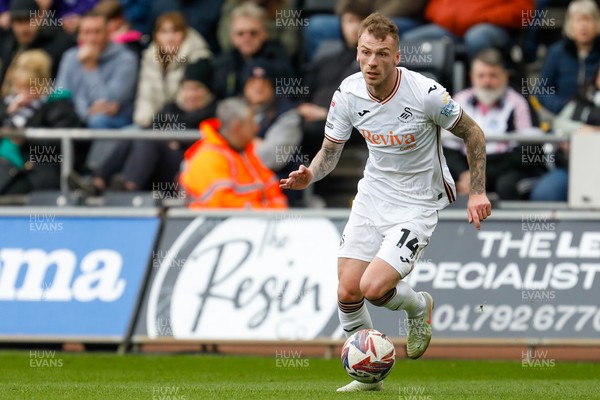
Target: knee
(349, 293)
(373, 289)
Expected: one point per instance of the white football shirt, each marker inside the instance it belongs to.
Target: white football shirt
(406, 165)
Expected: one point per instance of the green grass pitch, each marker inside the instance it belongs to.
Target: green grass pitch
(50, 376)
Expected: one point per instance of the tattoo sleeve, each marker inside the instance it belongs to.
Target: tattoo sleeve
(326, 159)
(471, 133)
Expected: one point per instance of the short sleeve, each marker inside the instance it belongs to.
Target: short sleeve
(441, 108)
(338, 126)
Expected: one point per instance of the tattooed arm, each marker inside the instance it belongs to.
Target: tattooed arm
(479, 207)
(471, 133)
(323, 163)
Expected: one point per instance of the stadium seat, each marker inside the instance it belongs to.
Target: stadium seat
(327, 47)
(318, 6)
(433, 58)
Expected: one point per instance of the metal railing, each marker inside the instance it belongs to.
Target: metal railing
(68, 136)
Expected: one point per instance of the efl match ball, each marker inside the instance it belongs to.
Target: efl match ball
(368, 356)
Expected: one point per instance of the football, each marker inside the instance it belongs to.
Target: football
(368, 356)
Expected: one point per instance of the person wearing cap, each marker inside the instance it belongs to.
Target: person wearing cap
(279, 132)
(222, 170)
(31, 29)
(148, 164)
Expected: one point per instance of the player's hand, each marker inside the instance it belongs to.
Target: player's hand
(298, 180)
(478, 209)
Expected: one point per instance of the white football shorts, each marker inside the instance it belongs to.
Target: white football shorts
(397, 235)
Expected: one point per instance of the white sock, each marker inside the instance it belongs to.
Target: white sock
(354, 317)
(402, 297)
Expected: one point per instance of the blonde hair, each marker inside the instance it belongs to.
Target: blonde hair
(250, 10)
(585, 7)
(31, 66)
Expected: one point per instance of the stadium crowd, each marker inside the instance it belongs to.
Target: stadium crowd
(257, 77)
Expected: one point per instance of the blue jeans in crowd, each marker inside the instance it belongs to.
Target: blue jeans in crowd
(553, 186)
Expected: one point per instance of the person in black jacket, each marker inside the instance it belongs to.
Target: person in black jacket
(28, 165)
(31, 29)
(571, 61)
(250, 40)
(154, 164)
(580, 115)
(326, 74)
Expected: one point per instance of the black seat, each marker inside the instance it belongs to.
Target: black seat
(433, 58)
(318, 6)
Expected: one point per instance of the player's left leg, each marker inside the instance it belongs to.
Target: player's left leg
(382, 281)
(382, 286)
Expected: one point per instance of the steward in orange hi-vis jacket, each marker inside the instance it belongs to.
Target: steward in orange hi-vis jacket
(218, 176)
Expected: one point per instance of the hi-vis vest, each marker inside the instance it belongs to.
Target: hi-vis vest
(218, 176)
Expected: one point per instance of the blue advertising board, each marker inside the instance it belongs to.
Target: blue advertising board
(65, 276)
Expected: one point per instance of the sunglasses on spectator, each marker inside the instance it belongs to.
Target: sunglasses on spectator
(251, 32)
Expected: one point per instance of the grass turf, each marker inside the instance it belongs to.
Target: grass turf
(186, 377)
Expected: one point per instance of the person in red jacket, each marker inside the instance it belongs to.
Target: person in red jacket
(222, 169)
(479, 23)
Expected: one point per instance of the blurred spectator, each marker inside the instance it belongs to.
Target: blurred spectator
(137, 12)
(279, 131)
(480, 24)
(4, 15)
(534, 26)
(279, 125)
(282, 21)
(173, 47)
(498, 109)
(31, 29)
(147, 164)
(101, 76)
(119, 30)
(571, 62)
(406, 15)
(222, 169)
(580, 115)
(32, 165)
(325, 75)
(70, 12)
(251, 42)
(202, 15)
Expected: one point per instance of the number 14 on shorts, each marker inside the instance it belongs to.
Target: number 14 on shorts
(412, 245)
